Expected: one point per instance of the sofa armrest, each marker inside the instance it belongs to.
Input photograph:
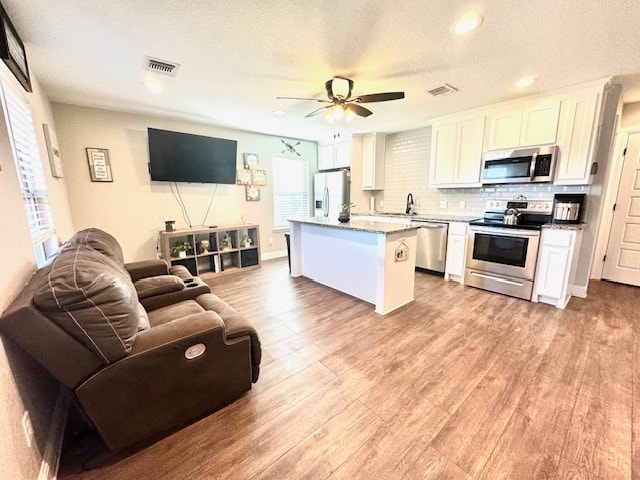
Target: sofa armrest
(157, 387)
(146, 268)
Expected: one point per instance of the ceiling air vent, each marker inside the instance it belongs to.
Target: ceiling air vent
(161, 66)
(445, 89)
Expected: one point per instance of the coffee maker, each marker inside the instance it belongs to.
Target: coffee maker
(568, 207)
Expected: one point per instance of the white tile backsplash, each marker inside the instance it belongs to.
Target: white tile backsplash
(407, 171)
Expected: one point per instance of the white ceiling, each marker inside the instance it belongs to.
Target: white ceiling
(236, 57)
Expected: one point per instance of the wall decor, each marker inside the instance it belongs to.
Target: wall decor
(99, 165)
(291, 148)
(243, 177)
(259, 178)
(12, 51)
(55, 162)
(250, 160)
(252, 194)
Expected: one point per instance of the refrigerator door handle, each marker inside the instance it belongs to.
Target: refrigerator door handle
(325, 202)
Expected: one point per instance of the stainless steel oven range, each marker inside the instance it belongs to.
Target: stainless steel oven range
(502, 248)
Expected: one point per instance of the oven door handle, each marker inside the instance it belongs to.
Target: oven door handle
(508, 233)
(497, 279)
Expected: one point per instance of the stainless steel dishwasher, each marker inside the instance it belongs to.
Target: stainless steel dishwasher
(431, 247)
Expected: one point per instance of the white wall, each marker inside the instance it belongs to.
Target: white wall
(132, 207)
(631, 114)
(24, 385)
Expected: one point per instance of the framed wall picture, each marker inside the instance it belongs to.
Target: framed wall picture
(51, 140)
(250, 160)
(252, 193)
(259, 178)
(243, 177)
(12, 51)
(99, 165)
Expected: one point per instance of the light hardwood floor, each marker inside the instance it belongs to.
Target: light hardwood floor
(460, 384)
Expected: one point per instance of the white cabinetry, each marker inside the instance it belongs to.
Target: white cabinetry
(335, 154)
(373, 161)
(456, 252)
(456, 153)
(556, 268)
(576, 139)
(535, 124)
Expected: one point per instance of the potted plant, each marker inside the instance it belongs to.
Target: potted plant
(345, 214)
(245, 241)
(179, 249)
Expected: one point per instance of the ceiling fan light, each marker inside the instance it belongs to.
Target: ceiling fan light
(349, 115)
(340, 87)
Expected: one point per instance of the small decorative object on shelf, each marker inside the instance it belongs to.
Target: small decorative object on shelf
(345, 214)
(226, 242)
(246, 241)
(204, 245)
(169, 225)
(179, 249)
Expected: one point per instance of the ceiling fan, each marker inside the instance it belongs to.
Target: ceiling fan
(341, 105)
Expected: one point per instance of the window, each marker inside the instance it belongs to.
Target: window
(30, 173)
(290, 189)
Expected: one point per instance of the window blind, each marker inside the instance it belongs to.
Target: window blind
(28, 164)
(290, 189)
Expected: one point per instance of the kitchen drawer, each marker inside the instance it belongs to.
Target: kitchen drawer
(557, 238)
(457, 228)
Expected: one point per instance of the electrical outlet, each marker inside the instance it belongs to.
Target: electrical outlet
(270, 242)
(444, 204)
(27, 427)
(381, 203)
(462, 204)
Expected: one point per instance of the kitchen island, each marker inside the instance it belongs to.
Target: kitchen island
(373, 261)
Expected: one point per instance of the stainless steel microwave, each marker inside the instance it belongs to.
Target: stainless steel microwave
(520, 165)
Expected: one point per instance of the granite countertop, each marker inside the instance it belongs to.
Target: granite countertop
(358, 225)
(439, 217)
(565, 226)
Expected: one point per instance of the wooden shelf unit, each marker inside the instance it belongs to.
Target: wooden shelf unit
(218, 259)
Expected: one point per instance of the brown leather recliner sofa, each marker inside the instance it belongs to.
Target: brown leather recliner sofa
(137, 367)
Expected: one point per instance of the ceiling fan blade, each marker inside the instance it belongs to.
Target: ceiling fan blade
(298, 98)
(379, 97)
(315, 112)
(359, 110)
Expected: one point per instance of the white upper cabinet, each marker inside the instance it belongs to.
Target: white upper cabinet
(535, 124)
(456, 153)
(373, 153)
(335, 154)
(576, 139)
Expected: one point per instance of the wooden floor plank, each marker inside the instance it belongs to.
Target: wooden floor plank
(461, 383)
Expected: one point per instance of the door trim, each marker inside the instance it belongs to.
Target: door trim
(612, 187)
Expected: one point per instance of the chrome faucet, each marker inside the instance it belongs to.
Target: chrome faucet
(410, 205)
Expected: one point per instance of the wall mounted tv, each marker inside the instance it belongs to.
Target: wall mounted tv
(184, 157)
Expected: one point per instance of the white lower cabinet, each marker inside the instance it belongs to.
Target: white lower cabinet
(456, 252)
(556, 268)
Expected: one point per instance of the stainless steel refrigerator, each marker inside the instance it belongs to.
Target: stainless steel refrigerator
(331, 192)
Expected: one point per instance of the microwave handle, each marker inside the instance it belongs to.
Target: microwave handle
(532, 167)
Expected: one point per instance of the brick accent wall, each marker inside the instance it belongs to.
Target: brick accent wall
(407, 171)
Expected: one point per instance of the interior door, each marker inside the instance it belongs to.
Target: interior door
(623, 251)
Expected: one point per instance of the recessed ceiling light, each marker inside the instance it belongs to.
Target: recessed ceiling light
(153, 85)
(279, 112)
(525, 82)
(467, 24)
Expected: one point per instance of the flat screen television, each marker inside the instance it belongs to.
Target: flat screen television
(185, 157)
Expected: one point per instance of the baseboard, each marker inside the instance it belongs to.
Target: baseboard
(579, 291)
(51, 455)
(272, 255)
